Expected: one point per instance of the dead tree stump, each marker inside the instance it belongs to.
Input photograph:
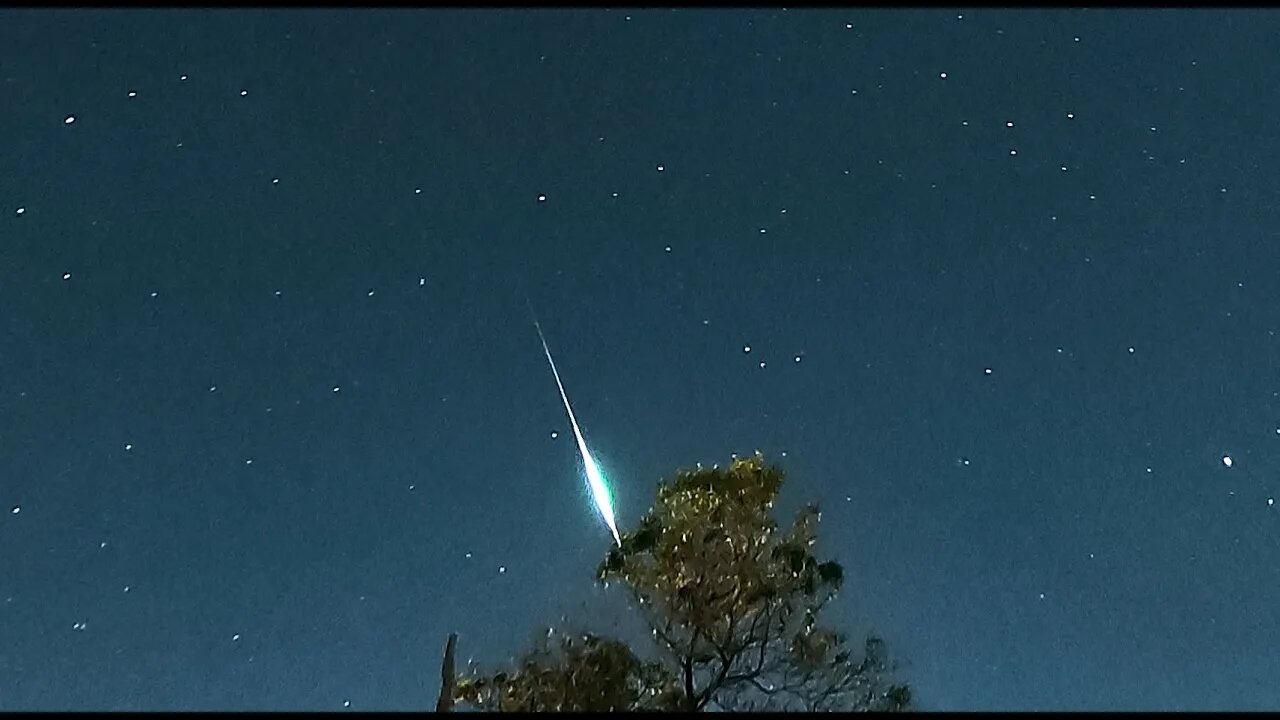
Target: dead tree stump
(447, 677)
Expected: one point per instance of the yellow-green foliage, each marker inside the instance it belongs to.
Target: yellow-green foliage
(573, 674)
(732, 601)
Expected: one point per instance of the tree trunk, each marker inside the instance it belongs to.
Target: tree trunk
(447, 677)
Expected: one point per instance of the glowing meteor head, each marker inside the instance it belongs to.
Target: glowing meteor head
(600, 494)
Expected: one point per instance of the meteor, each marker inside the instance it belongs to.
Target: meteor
(595, 479)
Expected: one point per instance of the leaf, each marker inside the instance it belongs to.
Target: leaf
(831, 572)
(644, 540)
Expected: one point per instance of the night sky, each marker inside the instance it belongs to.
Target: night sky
(997, 288)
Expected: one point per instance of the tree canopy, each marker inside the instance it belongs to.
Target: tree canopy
(732, 602)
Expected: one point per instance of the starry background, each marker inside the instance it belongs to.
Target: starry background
(997, 288)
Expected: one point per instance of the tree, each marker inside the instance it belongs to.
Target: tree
(574, 674)
(732, 603)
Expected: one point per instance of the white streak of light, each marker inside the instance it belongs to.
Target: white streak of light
(599, 490)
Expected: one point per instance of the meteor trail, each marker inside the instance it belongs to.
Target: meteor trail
(595, 479)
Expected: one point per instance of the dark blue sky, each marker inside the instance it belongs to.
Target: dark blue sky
(274, 419)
